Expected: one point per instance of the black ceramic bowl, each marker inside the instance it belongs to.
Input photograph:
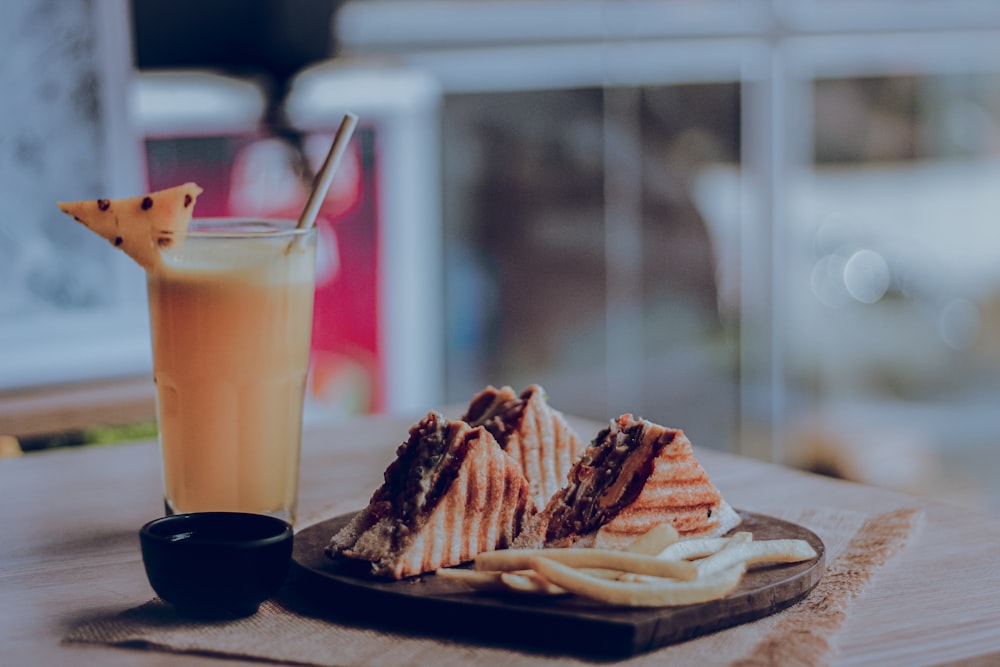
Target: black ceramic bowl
(216, 563)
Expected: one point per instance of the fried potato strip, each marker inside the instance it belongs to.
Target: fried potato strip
(757, 553)
(655, 540)
(656, 570)
(724, 557)
(480, 581)
(639, 594)
(507, 560)
(693, 548)
(529, 581)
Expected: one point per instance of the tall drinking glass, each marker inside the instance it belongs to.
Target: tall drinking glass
(231, 320)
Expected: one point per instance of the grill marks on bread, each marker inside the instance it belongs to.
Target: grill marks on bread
(480, 515)
(610, 476)
(537, 436)
(634, 476)
(450, 494)
(455, 489)
(425, 466)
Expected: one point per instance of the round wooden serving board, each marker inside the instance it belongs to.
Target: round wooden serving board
(346, 592)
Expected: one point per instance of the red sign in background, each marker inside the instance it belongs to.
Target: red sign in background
(262, 176)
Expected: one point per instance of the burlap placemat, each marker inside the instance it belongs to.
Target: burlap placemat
(857, 545)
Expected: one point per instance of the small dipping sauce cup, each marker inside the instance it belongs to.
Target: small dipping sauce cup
(216, 564)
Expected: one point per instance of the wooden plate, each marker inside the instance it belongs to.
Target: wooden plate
(346, 592)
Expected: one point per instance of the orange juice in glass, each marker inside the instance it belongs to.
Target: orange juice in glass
(231, 318)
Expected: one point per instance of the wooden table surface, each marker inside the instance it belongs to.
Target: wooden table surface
(69, 549)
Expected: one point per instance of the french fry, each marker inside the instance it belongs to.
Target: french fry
(654, 540)
(529, 581)
(603, 573)
(724, 557)
(633, 577)
(628, 576)
(480, 581)
(661, 593)
(719, 555)
(520, 559)
(757, 553)
(694, 548)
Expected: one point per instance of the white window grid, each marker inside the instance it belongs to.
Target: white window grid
(774, 49)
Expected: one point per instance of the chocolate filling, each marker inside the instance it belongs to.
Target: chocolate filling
(425, 466)
(500, 419)
(610, 476)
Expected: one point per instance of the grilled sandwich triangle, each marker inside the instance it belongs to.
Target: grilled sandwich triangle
(450, 494)
(633, 476)
(537, 436)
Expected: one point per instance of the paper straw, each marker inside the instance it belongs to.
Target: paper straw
(325, 177)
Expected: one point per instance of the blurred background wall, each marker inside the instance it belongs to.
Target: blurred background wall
(771, 223)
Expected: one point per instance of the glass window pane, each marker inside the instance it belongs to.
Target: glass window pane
(71, 307)
(578, 257)
(894, 281)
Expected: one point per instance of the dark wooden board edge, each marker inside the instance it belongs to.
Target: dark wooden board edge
(343, 592)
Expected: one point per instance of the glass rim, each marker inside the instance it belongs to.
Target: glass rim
(242, 227)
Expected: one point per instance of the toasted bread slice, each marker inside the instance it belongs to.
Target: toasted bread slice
(139, 226)
(634, 476)
(450, 494)
(537, 436)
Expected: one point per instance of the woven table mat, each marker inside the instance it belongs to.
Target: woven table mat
(857, 545)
